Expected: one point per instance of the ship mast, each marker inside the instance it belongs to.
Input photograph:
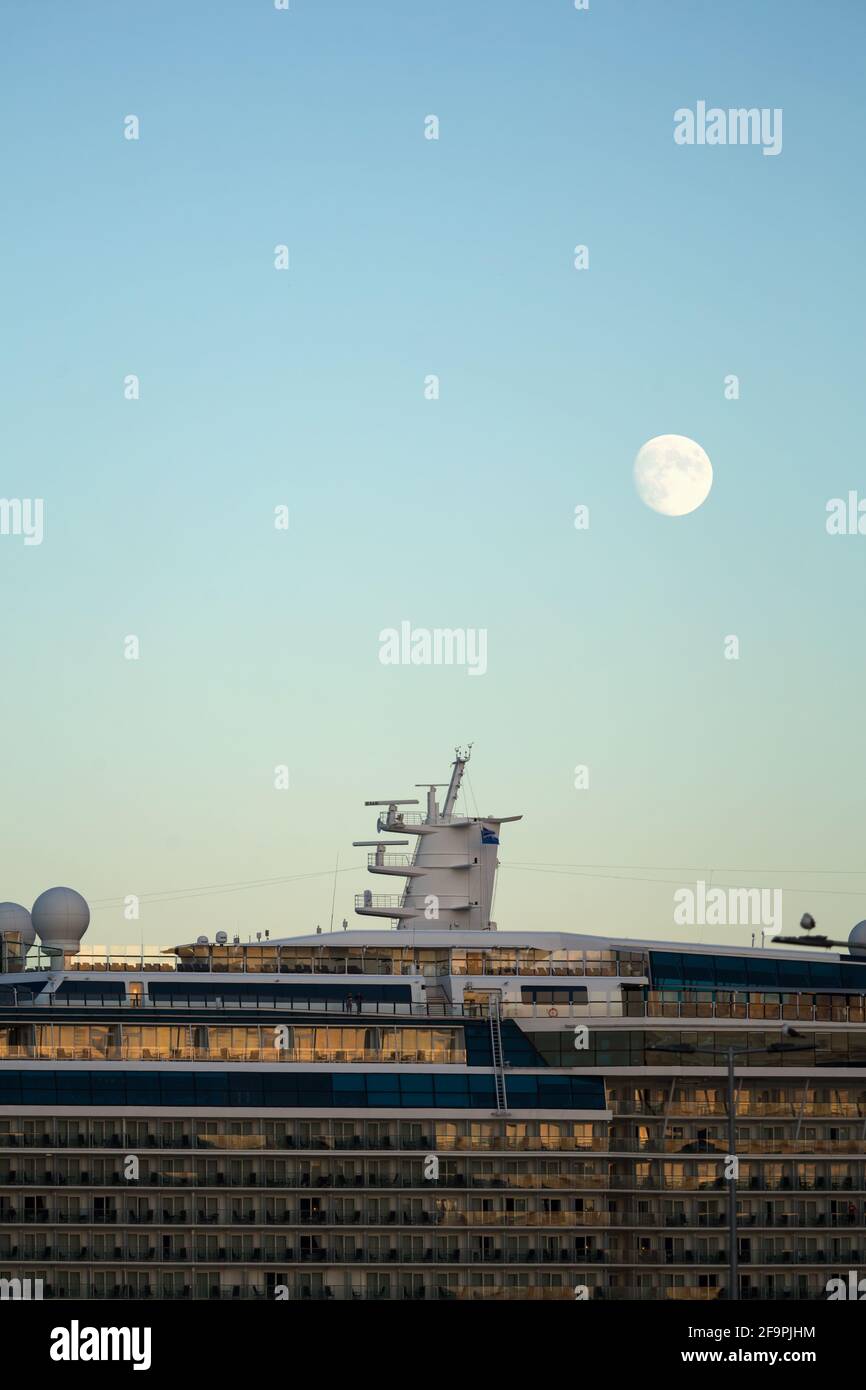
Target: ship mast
(460, 761)
(450, 879)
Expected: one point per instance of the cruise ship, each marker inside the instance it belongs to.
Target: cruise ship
(426, 1108)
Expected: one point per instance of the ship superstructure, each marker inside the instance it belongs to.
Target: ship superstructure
(451, 876)
(434, 1110)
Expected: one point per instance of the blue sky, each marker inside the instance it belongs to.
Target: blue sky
(305, 387)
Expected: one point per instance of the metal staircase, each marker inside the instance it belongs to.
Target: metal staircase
(496, 1050)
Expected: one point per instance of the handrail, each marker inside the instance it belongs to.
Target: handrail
(369, 1009)
(613, 1008)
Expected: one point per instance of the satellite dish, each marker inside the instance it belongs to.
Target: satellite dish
(221, 938)
(14, 917)
(857, 940)
(61, 917)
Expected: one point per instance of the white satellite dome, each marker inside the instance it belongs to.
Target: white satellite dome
(857, 940)
(61, 917)
(14, 917)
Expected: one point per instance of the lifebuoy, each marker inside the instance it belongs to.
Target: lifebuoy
(553, 1013)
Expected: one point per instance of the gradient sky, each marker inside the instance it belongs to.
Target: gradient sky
(411, 257)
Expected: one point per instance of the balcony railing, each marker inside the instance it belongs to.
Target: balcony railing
(799, 1012)
(329, 958)
(182, 1000)
(378, 900)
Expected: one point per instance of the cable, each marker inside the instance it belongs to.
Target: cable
(541, 866)
(678, 883)
(695, 868)
(205, 890)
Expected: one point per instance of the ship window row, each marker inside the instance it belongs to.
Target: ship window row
(242, 1043)
(633, 1047)
(459, 1209)
(510, 1211)
(540, 994)
(537, 962)
(801, 1006)
(245, 1177)
(295, 1088)
(224, 1135)
(806, 1005)
(297, 1285)
(423, 1248)
(341, 1175)
(673, 970)
(788, 1101)
(634, 1182)
(328, 959)
(437, 1285)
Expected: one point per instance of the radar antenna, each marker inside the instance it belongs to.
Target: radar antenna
(461, 758)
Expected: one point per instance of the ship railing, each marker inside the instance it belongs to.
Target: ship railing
(613, 1007)
(514, 1250)
(325, 958)
(763, 1151)
(393, 823)
(129, 1052)
(338, 1291)
(102, 961)
(186, 1001)
(748, 1107)
(597, 1009)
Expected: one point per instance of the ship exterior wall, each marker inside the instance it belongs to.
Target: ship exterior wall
(621, 1204)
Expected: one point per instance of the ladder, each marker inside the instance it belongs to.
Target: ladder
(496, 1051)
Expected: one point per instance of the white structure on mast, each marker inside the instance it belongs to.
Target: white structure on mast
(451, 877)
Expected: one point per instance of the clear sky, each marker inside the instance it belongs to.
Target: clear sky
(258, 387)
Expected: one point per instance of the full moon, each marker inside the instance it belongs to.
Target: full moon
(673, 474)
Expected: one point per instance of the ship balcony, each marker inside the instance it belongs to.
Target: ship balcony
(403, 864)
(412, 823)
(415, 818)
(397, 865)
(394, 905)
(407, 824)
(382, 905)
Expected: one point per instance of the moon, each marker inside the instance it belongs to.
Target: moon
(673, 474)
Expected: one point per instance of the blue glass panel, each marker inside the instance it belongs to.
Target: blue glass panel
(699, 972)
(347, 1083)
(554, 1091)
(522, 1091)
(417, 1090)
(763, 974)
(382, 1080)
(446, 1085)
(825, 975)
(588, 1093)
(667, 969)
(255, 1090)
(731, 972)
